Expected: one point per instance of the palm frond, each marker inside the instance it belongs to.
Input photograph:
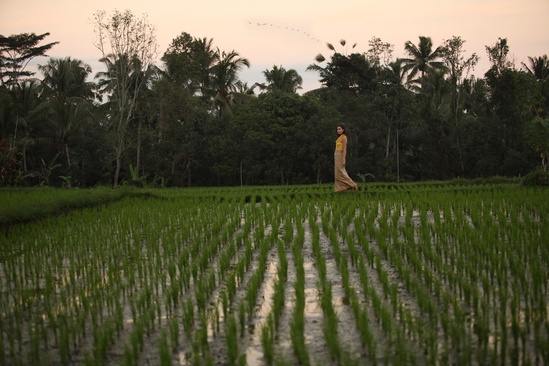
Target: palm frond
(320, 58)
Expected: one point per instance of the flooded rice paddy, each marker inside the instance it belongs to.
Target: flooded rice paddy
(291, 275)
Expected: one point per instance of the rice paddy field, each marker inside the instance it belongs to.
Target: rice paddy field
(409, 274)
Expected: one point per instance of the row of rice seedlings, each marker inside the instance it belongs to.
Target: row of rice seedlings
(118, 312)
(68, 281)
(297, 323)
(507, 257)
(267, 339)
(234, 355)
(458, 285)
(360, 312)
(465, 284)
(271, 322)
(170, 286)
(408, 324)
(56, 313)
(265, 245)
(427, 262)
(337, 222)
(445, 310)
(365, 257)
(386, 305)
(330, 321)
(232, 279)
(237, 310)
(242, 265)
(522, 239)
(206, 277)
(485, 220)
(395, 253)
(59, 332)
(227, 273)
(280, 285)
(270, 327)
(449, 285)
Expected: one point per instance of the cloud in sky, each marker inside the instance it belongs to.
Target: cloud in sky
(291, 33)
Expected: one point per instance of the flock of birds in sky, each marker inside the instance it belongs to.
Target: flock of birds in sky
(285, 28)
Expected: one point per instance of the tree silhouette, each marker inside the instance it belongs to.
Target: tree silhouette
(16, 51)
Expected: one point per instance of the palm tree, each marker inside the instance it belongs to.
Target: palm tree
(138, 82)
(395, 72)
(422, 58)
(206, 72)
(343, 43)
(204, 57)
(438, 91)
(243, 93)
(224, 79)
(7, 123)
(120, 86)
(281, 79)
(105, 79)
(539, 67)
(68, 97)
(18, 106)
(188, 62)
(245, 89)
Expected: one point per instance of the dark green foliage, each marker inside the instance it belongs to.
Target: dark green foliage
(196, 124)
(15, 53)
(538, 177)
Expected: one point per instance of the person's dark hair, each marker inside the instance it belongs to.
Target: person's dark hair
(342, 126)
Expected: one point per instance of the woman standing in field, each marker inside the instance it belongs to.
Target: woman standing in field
(342, 180)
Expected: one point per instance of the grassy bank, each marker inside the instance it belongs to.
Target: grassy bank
(21, 205)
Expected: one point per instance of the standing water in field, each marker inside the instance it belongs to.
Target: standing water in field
(426, 274)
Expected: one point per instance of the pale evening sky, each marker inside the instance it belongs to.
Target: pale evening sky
(291, 33)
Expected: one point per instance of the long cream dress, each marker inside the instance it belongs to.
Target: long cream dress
(342, 180)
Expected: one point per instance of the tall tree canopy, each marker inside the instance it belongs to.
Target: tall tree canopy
(422, 58)
(190, 120)
(69, 99)
(345, 72)
(278, 78)
(16, 51)
(128, 45)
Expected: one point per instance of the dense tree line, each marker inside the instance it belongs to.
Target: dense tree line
(190, 121)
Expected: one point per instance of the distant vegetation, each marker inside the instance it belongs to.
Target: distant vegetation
(190, 121)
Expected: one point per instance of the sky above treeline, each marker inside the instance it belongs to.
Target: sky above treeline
(291, 33)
